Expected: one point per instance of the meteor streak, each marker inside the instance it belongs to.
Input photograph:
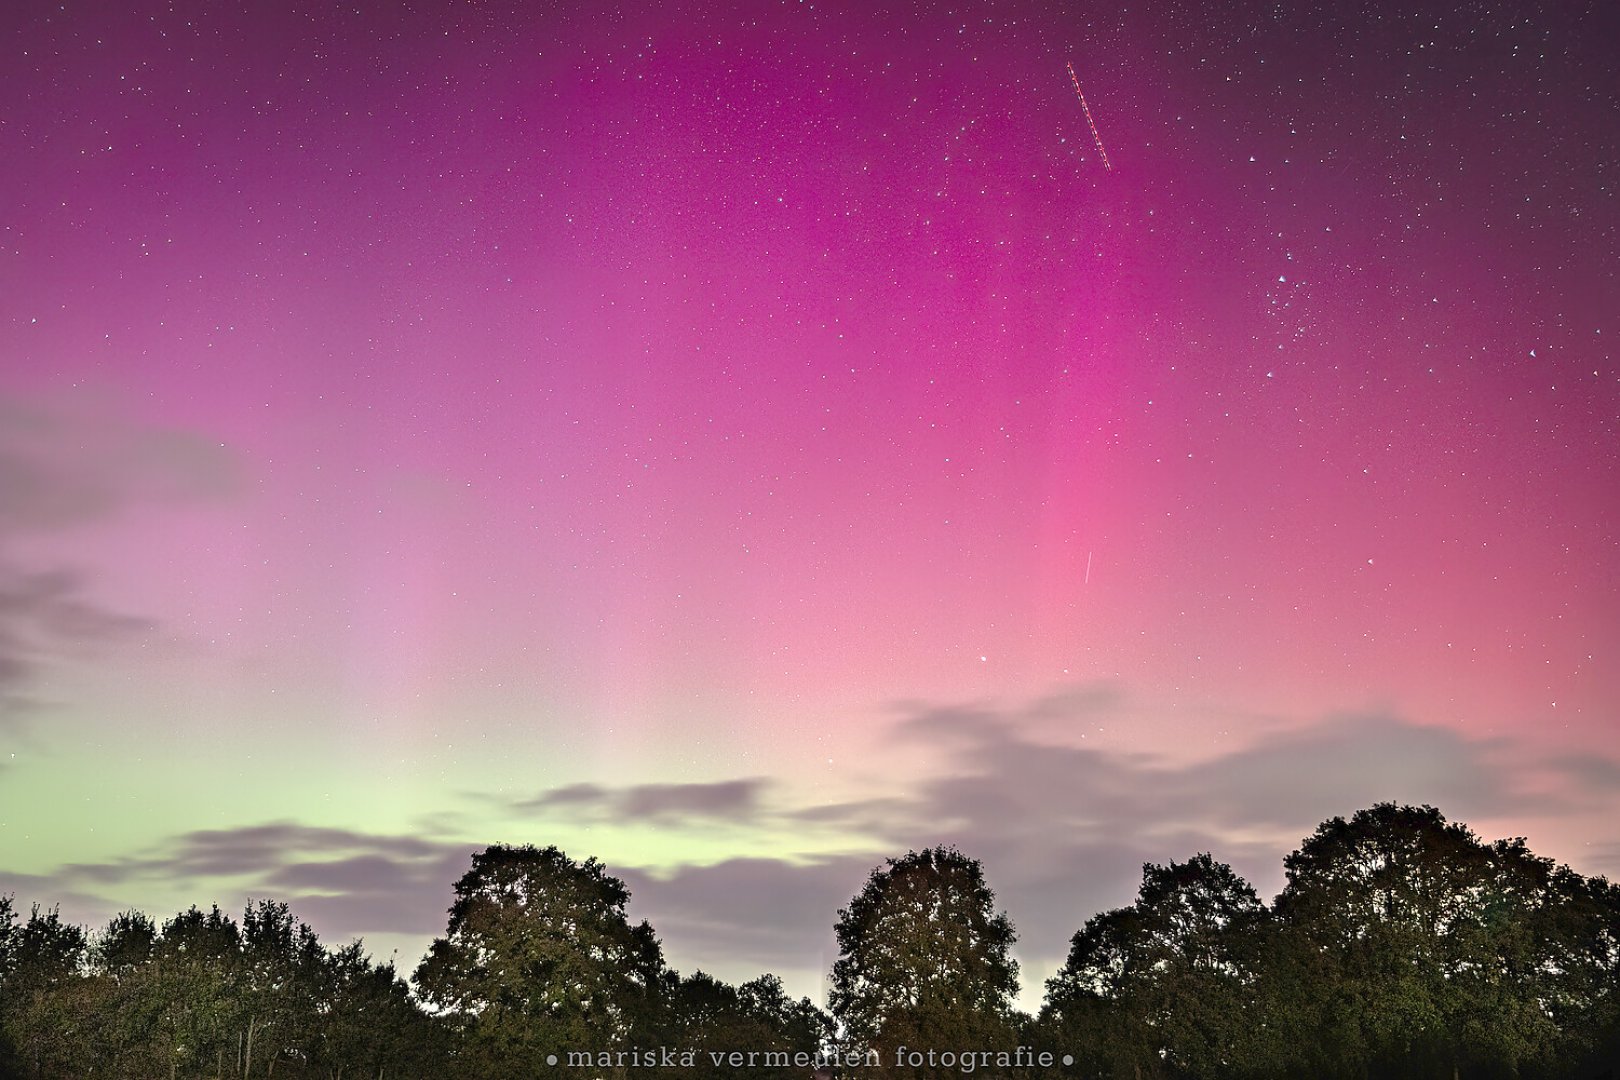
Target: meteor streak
(1092, 124)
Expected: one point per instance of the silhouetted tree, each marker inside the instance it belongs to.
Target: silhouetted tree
(373, 1027)
(205, 997)
(539, 958)
(125, 945)
(794, 1025)
(42, 963)
(197, 979)
(1088, 1011)
(711, 1016)
(1402, 947)
(9, 1064)
(1413, 949)
(1161, 988)
(924, 961)
(1568, 961)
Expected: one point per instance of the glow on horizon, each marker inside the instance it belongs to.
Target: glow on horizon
(474, 406)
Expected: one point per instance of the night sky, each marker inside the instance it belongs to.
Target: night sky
(745, 441)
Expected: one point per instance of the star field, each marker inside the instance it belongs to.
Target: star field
(442, 407)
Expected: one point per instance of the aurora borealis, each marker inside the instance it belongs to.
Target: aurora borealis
(745, 441)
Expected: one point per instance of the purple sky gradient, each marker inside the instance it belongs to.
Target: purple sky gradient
(440, 406)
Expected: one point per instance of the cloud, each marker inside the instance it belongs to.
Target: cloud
(346, 884)
(1606, 859)
(749, 915)
(48, 891)
(70, 462)
(44, 615)
(1352, 761)
(588, 796)
(873, 816)
(1588, 775)
(259, 851)
(67, 465)
(1063, 831)
(661, 803)
(374, 893)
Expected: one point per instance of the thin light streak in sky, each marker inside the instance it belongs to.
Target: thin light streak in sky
(1092, 124)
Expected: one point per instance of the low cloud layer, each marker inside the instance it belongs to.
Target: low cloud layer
(664, 804)
(347, 884)
(1063, 831)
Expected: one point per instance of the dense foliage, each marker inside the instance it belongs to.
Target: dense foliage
(924, 962)
(1401, 947)
(204, 995)
(540, 960)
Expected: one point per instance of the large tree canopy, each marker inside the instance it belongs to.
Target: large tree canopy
(1160, 987)
(1401, 947)
(1423, 951)
(716, 1019)
(924, 960)
(40, 960)
(540, 958)
(204, 997)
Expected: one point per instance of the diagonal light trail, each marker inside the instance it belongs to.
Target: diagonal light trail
(1092, 124)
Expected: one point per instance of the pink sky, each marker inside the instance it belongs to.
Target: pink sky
(485, 402)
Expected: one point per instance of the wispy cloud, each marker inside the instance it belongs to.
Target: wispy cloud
(1063, 830)
(66, 465)
(663, 804)
(255, 851)
(347, 883)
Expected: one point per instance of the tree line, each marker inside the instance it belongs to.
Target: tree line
(1401, 946)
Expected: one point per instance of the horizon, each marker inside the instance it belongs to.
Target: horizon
(1029, 999)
